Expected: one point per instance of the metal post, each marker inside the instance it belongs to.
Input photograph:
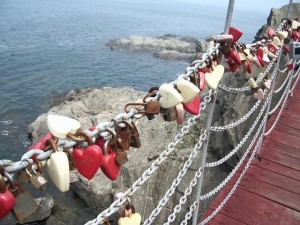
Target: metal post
(290, 7)
(209, 122)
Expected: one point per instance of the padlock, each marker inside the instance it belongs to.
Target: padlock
(224, 38)
(72, 166)
(169, 114)
(124, 134)
(236, 33)
(37, 180)
(87, 159)
(135, 136)
(7, 199)
(25, 204)
(2, 181)
(108, 164)
(121, 155)
(179, 113)
(40, 171)
(58, 168)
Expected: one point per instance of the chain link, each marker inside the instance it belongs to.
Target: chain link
(238, 122)
(177, 180)
(183, 199)
(245, 138)
(227, 179)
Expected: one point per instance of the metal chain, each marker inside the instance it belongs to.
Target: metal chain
(245, 138)
(286, 94)
(238, 122)
(183, 198)
(283, 83)
(227, 179)
(177, 180)
(283, 96)
(217, 210)
(146, 175)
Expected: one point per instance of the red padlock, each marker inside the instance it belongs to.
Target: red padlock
(40, 144)
(236, 33)
(7, 199)
(271, 32)
(193, 105)
(273, 48)
(108, 165)
(232, 65)
(88, 159)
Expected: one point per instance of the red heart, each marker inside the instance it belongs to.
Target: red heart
(236, 33)
(7, 202)
(261, 62)
(109, 166)
(232, 66)
(40, 144)
(260, 52)
(286, 49)
(290, 66)
(271, 32)
(273, 48)
(193, 105)
(88, 160)
(235, 57)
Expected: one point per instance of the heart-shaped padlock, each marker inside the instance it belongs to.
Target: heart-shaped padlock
(259, 94)
(169, 96)
(213, 79)
(87, 159)
(236, 33)
(58, 168)
(108, 164)
(187, 90)
(193, 106)
(60, 126)
(7, 202)
(271, 32)
(232, 65)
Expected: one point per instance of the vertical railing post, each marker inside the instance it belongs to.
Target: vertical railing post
(289, 10)
(273, 83)
(209, 119)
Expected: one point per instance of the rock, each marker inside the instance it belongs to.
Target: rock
(141, 43)
(165, 47)
(44, 210)
(173, 55)
(275, 17)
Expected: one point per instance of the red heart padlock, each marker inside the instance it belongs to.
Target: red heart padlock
(236, 33)
(193, 105)
(88, 159)
(247, 66)
(273, 48)
(261, 62)
(295, 35)
(232, 66)
(290, 66)
(40, 144)
(259, 52)
(271, 32)
(7, 202)
(108, 165)
(202, 81)
(235, 57)
(286, 49)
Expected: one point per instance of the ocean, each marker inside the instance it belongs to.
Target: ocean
(50, 47)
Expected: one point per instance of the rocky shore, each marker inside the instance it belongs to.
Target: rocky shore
(91, 106)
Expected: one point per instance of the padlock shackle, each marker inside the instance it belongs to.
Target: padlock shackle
(135, 104)
(87, 137)
(50, 143)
